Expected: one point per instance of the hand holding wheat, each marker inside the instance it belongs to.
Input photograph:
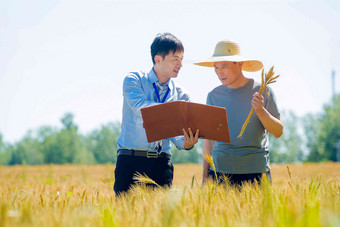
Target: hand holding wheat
(267, 79)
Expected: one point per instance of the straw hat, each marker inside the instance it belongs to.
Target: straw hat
(227, 50)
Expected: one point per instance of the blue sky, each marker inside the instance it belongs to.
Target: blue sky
(72, 55)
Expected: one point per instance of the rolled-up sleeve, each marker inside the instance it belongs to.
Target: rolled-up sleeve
(178, 141)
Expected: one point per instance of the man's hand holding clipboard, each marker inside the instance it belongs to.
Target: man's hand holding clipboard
(169, 119)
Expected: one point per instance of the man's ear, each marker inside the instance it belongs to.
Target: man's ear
(158, 59)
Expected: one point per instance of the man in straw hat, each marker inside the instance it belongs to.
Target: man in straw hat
(142, 89)
(245, 159)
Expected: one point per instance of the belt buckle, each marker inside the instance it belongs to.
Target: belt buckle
(151, 154)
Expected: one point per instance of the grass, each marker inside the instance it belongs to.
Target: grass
(302, 195)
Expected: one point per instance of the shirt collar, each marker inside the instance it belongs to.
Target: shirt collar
(153, 78)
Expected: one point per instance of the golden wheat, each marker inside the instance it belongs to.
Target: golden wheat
(307, 195)
(144, 179)
(266, 80)
(210, 160)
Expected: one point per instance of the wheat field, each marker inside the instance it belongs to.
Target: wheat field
(77, 195)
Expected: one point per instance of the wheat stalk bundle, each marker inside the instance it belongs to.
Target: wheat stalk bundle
(267, 79)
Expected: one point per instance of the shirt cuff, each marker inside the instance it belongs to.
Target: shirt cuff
(189, 148)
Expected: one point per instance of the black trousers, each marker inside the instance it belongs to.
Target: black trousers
(160, 170)
(239, 179)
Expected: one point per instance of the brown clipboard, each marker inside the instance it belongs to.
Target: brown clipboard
(167, 120)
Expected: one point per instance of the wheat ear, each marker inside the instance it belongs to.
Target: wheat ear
(144, 179)
(210, 160)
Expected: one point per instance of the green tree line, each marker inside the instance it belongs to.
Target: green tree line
(66, 145)
(311, 138)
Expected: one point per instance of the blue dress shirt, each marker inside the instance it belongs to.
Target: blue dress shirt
(139, 92)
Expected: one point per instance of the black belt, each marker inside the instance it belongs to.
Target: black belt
(138, 153)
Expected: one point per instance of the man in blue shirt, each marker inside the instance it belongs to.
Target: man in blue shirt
(142, 89)
(244, 159)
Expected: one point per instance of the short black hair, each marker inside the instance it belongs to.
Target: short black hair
(165, 43)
